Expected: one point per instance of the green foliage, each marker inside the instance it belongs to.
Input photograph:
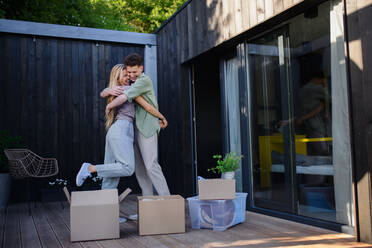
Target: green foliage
(7, 142)
(148, 15)
(129, 15)
(229, 163)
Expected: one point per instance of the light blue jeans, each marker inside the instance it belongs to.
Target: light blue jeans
(119, 154)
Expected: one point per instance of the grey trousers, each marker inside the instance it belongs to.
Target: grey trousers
(119, 154)
(148, 170)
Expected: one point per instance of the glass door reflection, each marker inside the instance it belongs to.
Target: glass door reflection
(272, 139)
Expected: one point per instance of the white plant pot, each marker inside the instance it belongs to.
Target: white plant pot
(4, 189)
(228, 175)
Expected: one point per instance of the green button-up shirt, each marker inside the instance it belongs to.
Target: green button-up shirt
(146, 123)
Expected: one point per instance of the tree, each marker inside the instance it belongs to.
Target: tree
(147, 15)
(129, 15)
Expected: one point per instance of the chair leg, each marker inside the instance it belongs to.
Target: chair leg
(32, 187)
(29, 196)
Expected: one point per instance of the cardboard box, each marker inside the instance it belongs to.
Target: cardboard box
(161, 214)
(216, 189)
(94, 215)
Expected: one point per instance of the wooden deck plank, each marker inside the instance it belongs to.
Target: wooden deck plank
(12, 237)
(310, 230)
(129, 235)
(147, 241)
(29, 235)
(129, 205)
(197, 237)
(128, 241)
(171, 241)
(60, 229)
(128, 230)
(256, 227)
(110, 243)
(51, 222)
(45, 231)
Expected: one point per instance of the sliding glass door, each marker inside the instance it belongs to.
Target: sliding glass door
(269, 65)
(299, 121)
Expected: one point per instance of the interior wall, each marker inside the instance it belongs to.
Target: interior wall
(208, 114)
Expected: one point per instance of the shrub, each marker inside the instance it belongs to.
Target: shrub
(7, 142)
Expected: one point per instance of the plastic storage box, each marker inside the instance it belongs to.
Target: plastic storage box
(217, 214)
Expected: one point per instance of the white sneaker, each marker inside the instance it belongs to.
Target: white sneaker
(122, 220)
(133, 217)
(82, 174)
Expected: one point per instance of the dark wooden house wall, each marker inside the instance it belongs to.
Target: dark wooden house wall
(359, 34)
(203, 25)
(50, 95)
(200, 26)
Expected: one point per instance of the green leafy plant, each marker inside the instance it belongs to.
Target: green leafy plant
(7, 142)
(229, 163)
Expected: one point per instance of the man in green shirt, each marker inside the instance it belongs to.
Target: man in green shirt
(147, 168)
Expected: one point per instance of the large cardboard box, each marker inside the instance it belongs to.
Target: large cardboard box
(216, 189)
(94, 215)
(161, 214)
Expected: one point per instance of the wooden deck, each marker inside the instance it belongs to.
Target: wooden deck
(48, 226)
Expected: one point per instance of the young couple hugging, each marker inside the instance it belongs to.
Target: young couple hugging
(132, 136)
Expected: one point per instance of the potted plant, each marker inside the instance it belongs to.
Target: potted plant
(6, 142)
(227, 166)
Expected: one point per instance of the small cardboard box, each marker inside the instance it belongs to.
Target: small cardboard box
(94, 214)
(216, 189)
(161, 214)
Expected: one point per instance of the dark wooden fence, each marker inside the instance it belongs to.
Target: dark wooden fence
(50, 91)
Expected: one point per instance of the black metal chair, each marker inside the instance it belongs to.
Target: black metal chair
(24, 164)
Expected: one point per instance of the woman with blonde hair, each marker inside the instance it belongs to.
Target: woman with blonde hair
(119, 153)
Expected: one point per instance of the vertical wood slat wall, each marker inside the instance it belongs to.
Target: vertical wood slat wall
(211, 22)
(359, 34)
(199, 27)
(50, 95)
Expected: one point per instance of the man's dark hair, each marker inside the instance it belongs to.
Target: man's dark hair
(133, 59)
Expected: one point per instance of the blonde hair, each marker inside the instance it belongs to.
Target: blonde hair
(114, 81)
